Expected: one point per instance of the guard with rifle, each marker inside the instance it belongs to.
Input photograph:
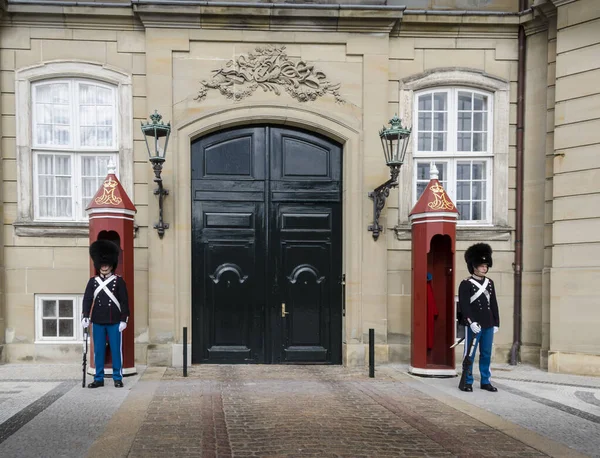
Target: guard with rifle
(105, 305)
(478, 312)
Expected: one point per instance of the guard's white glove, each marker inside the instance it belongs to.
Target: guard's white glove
(496, 328)
(475, 327)
(122, 326)
(85, 322)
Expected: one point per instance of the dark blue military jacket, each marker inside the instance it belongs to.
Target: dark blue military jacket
(105, 311)
(481, 310)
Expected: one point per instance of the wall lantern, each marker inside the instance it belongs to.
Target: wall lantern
(156, 134)
(394, 141)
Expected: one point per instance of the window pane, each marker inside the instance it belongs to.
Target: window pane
(44, 134)
(63, 165)
(61, 135)
(425, 102)
(420, 188)
(103, 167)
(424, 141)
(463, 190)
(49, 309)
(62, 114)
(463, 171)
(104, 136)
(439, 122)
(463, 210)
(43, 93)
(441, 166)
(52, 114)
(88, 166)
(479, 102)
(49, 328)
(46, 209)
(103, 96)
(479, 122)
(424, 121)
(44, 113)
(87, 116)
(464, 121)
(464, 141)
(45, 164)
(63, 187)
(464, 100)
(439, 142)
(60, 93)
(65, 308)
(88, 136)
(479, 142)
(65, 328)
(97, 115)
(422, 171)
(64, 207)
(477, 190)
(105, 115)
(478, 170)
(440, 101)
(477, 211)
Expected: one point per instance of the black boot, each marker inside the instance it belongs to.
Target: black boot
(118, 384)
(468, 388)
(489, 387)
(95, 384)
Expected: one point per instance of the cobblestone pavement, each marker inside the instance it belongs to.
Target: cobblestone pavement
(302, 411)
(294, 411)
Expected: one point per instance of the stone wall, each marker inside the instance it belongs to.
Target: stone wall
(574, 301)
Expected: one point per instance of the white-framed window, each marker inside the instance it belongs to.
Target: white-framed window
(57, 318)
(74, 136)
(70, 117)
(453, 129)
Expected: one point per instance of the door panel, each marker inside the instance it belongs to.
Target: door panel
(266, 232)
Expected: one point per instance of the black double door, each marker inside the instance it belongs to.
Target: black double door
(266, 247)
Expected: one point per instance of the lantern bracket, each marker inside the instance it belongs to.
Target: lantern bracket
(379, 196)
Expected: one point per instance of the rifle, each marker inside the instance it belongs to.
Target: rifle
(85, 347)
(467, 364)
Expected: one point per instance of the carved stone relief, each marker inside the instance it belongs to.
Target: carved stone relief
(270, 69)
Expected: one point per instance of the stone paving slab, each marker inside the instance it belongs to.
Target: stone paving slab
(60, 422)
(541, 402)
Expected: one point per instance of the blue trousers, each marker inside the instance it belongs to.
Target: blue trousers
(99, 333)
(486, 339)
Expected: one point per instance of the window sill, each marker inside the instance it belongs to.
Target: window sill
(58, 342)
(56, 229)
(464, 233)
(51, 229)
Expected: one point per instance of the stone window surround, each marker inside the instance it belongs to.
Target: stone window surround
(25, 224)
(473, 79)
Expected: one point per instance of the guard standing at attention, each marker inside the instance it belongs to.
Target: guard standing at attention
(479, 309)
(105, 305)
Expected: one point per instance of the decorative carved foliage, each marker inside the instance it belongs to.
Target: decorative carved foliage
(270, 69)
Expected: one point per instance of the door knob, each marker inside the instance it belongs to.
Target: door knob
(283, 312)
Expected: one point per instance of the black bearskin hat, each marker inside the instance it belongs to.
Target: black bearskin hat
(104, 252)
(480, 253)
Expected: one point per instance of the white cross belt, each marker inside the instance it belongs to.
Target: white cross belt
(102, 287)
(482, 289)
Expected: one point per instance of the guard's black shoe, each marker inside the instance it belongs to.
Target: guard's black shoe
(489, 387)
(118, 384)
(468, 388)
(95, 384)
